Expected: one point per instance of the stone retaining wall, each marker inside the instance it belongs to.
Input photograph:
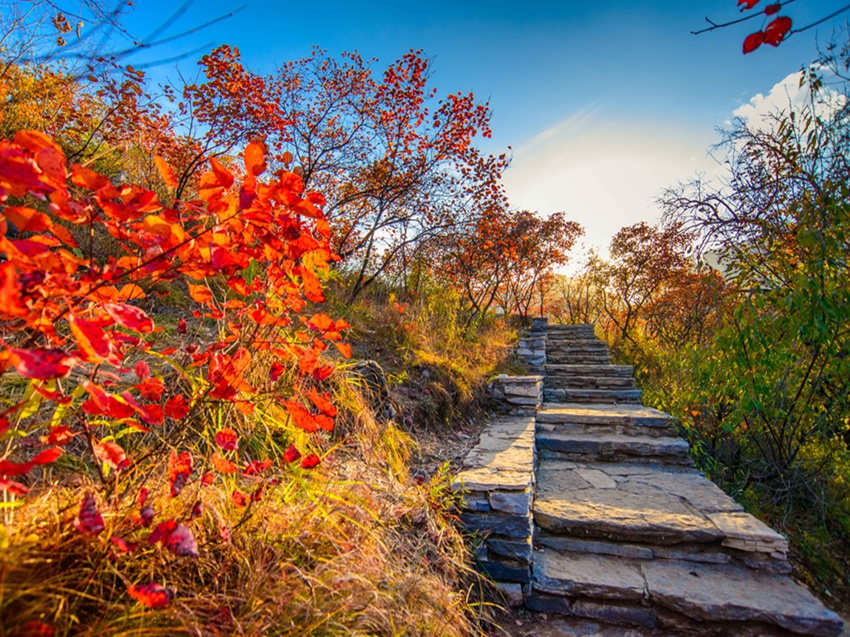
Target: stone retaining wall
(531, 347)
(516, 395)
(498, 486)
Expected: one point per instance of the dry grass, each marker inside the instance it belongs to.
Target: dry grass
(346, 551)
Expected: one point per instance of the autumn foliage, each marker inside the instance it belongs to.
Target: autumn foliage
(103, 388)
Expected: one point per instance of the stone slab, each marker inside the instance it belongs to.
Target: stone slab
(512, 593)
(729, 593)
(633, 512)
(487, 479)
(547, 604)
(597, 479)
(608, 414)
(584, 575)
(633, 614)
(600, 547)
(515, 526)
(511, 501)
(743, 531)
(519, 550)
(502, 572)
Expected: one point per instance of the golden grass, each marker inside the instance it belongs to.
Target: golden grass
(319, 555)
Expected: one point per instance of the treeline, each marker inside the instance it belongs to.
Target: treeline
(404, 185)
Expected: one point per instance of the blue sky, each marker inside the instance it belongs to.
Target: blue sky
(602, 103)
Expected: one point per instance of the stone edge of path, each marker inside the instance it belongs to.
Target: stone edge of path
(497, 483)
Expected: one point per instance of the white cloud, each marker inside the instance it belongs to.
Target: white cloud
(787, 95)
(603, 173)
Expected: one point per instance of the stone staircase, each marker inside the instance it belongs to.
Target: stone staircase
(627, 532)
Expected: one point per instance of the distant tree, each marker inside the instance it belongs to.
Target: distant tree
(396, 164)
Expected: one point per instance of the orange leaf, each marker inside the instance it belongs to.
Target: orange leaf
(221, 464)
(111, 454)
(221, 173)
(344, 349)
(201, 293)
(27, 219)
(151, 595)
(165, 172)
(255, 161)
(322, 402)
(300, 416)
(312, 287)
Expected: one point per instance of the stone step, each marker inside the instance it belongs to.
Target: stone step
(603, 414)
(590, 347)
(561, 381)
(688, 597)
(582, 328)
(662, 508)
(560, 443)
(593, 396)
(564, 359)
(577, 343)
(608, 371)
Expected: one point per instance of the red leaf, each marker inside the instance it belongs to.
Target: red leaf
(151, 595)
(322, 402)
(179, 470)
(35, 628)
(146, 515)
(748, 4)
(60, 435)
(291, 454)
(772, 9)
(162, 531)
(256, 467)
(181, 542)
(91, 339)
(310, 461)
(143, 496)
(129, 316)
(89, 520)
(223, 175)
(239, 499)
(153, 414)
(196, 510)
(9, 468)
(753, 41)
(112, 454)
(300, 416)
(15, 488)
(151, 388)
(776, 31)
(142, 370)
(47, 456)
(123, 545)
(208, 478)
(275, 371)
(176, 407)
(226, 439)
(182, 328)
(41, 364)
(222, 464)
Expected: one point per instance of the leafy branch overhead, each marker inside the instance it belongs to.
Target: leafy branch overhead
(775, 30)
